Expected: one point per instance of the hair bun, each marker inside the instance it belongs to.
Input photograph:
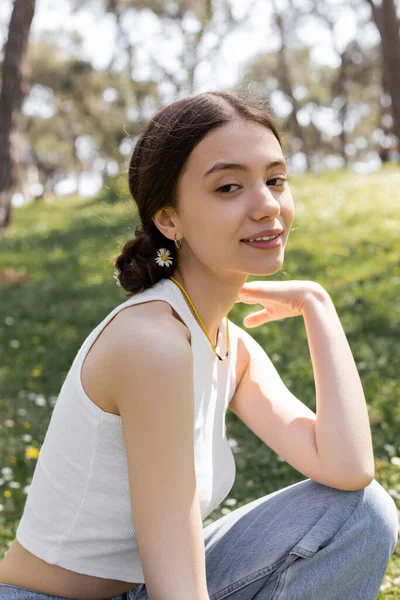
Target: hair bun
(137, 268)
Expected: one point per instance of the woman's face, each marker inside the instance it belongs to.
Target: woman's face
(213, 221)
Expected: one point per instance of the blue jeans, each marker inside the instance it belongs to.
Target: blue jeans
(306, 541)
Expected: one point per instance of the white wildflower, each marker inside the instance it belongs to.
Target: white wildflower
(115, 276)
(163, 257)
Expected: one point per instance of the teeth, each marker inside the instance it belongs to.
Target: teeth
(264, 239)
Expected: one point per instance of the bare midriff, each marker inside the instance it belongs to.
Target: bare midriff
(22, 568)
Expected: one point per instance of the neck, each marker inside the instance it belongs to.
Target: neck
(212, 296)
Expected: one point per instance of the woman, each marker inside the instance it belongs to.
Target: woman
(136, 455)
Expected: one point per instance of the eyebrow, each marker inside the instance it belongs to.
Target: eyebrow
(222, 166)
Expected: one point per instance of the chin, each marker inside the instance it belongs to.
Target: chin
(275, 265)
(268, 270)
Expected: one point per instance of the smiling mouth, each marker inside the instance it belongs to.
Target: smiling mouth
(270, 238)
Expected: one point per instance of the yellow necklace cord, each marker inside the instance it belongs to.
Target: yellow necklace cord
(202, 326)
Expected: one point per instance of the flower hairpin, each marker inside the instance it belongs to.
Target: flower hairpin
(117, 281)
(163, 257)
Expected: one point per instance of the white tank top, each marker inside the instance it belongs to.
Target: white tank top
(77, 513)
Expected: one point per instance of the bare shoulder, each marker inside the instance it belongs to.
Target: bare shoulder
(137, 318)
(144, 341)
(152, 323)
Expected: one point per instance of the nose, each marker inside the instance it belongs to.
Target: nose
(265, 203)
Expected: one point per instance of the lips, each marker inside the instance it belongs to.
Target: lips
(263, 234)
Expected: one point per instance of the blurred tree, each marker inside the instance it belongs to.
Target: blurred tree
(85, 119)
(98, 113)
(11, 97)
(347, 95)
(188, 20)
(388, 24)
(286, 83)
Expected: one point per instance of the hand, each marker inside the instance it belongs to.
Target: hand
(280, 299)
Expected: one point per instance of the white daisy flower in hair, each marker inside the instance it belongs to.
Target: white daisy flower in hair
(163, 257)
(117, 281)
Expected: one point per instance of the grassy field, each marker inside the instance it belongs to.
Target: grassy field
(56, 285)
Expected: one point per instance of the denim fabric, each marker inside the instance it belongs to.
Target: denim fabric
(306, 541)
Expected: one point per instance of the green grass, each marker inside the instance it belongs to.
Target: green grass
(345, 236)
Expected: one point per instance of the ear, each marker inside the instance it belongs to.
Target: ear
(166, 221)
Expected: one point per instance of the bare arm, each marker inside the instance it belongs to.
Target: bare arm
(153, 370)
(342, 428)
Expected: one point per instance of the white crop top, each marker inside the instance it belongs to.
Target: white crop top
(78, 513)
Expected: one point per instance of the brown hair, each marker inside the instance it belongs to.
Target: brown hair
(156, 165)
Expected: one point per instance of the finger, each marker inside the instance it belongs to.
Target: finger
(247, 296)
(248, 293)
(248, 300)
(256, 319)
(253, 285)
(252, 288)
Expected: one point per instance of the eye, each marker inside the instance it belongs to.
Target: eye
(276, 178)
(225, 186)
(220, 189)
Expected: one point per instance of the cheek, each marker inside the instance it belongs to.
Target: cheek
(288, 208)
(198, 220)
(217, 224)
